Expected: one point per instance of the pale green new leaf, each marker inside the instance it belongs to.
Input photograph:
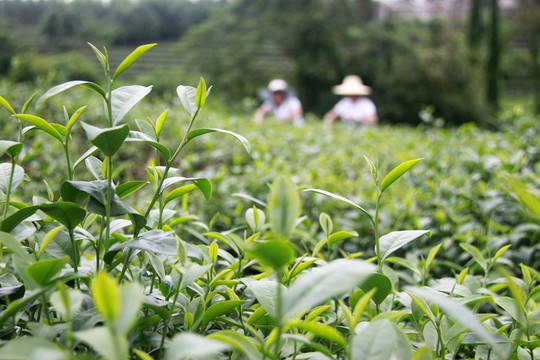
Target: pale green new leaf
(6, 105)
(200, 96)
(198, 132)
(284, 206)
(220, 308)
(131, 58)
(125, 98)
(375, 342)
(397, 239)
(5, 171)
(193, 347)
(341, 198)
(265, 292)
(32, 348)
(106, 295)
(68, 85)
(397, 172)
(160, 121)
(239, 342)
(105, 343)
(41, 124)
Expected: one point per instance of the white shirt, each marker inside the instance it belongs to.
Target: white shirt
(354, 111)
(286, 110)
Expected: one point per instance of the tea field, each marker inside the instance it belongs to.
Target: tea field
(142, 227)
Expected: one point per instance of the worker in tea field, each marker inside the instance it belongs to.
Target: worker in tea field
(355, 108)
(282, 105)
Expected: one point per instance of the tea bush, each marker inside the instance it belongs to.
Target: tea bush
(116, 255)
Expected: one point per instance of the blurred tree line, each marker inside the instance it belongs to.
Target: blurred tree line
(454, 68)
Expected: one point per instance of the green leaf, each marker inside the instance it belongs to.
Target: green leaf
(84, 156)
(101, 57)
(192, 346)
(160, 121)
(48, 238)
(375, 342)
(323, 283)
(5, 104)
(202, 184)
(42, 271)
(341, 198)
(239, 342)
(5, 171)
(255, 219)
(110, 346)
(198, 132)
(125, 98)
(176, 193)
(397, 239)
(67, 301)
(340, 236)
(108, 140)
(457, 312)
(475, 253)
(512, 308)
(28, 102)
(265, 291)
(381, 283)
(95, 166)
(397, 172)
(66, 213)
(41, 124)
(500, 252)
(68, 85)
(200, 96)
(131, 58)
(14, 245)
(321, 330)
(129, 187)
(17, 217)
(326, 223)
(131, 295)
(220, 308)
(12, 148)
(275, 253)
(284, 206)
(107, 296)
(32, 348)
(187, 98)
(75, 117)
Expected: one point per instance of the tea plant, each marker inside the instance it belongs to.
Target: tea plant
(86, 274)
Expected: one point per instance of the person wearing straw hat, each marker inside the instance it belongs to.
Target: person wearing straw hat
(284, 106)
(355, 107)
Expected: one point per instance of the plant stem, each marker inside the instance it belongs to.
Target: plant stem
(376, 232)
(75, 256)
(68, 162)
(279, 291)
(166, 325)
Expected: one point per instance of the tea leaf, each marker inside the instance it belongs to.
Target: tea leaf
(340, 236)
(397, 239)
(41, 124)
(323, 283)
(108, 140)
(6, 105)
(181, 191)
(193, 346)
(107, 296)
(397, 172)
(275, 253)
(131, 58)
(75, 117)
(100, 56)
(42, 271)
(326, 223)
(239, 342)
(124, 98)
(220, 308)
(129, 187)
(375, 342)
(131, 295)
(140, 136)
(284, 206)
(84, 156)
(341, 198)
(66, 213)
(255, 219)
(265, 292)
(32, 348)
(200, 96)
(381, 283)
(476, 254)
(198, 132)
(187, 96)
(160, 121)
(5, 171)
(105, 343)
(68, 85)
(12, 148)
(28, 102)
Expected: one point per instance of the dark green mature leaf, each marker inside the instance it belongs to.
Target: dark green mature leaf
(17, 217)
(125, 98)
(142, 137)
(397, 239)
(380, 282)
(41, 124)
(265, 292)
(5, 104)
(192, 346)
(155, 241)
(397, 172)
(220, 308)
(275, 253)
(66, 213)
(284, 206)
(187, 98)
(42, 271)
(198, 132)
(68, 85)
(32, 348)
(323, 283)
(341, 198)
(12, 148)
(131, 58)
(107, 140)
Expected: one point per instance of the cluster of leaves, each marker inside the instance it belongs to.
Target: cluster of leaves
(86, 275)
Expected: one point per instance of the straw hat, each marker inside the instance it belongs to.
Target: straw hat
(352, 85)
(277, 85)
